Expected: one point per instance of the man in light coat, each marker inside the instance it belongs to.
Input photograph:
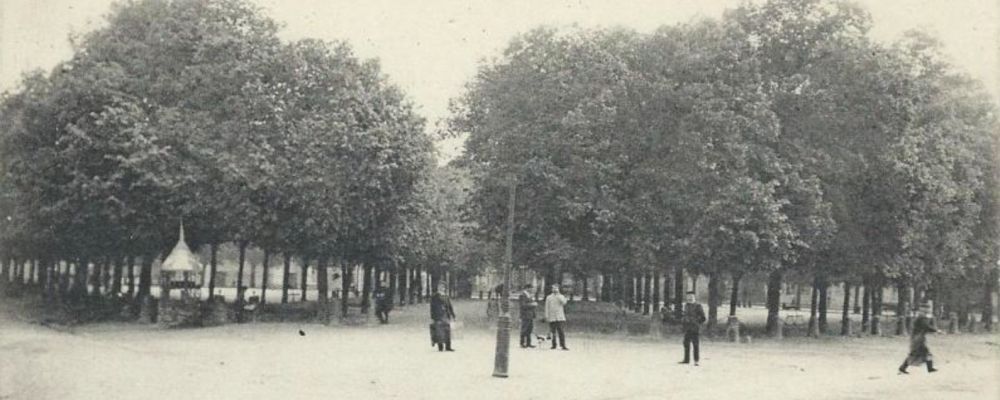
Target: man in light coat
(555, 314)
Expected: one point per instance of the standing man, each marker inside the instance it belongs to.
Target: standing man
(441, 313)
(527, 307)
(383, 304)
(556, 315)
(692, 319)
(919, 353)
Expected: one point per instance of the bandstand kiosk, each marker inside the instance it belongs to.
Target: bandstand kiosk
(176, 273)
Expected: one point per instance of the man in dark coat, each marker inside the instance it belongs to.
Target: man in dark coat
(919, 353)
(441, 313)
(383, 304)
(527, 306)
(693, 317)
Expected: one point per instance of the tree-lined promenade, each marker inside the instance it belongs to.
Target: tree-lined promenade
(778, 143)
(195, 111)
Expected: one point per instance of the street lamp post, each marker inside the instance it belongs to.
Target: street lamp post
(500, 362)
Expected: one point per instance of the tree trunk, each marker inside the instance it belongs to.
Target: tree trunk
(131, 276)
(628, 291)
(145, 279)
(678, 292)
(656, 292)
(303, 286)
(857, 305)
(80, 275)
(866, 303)
(253, 275)
(845, 318)
(116, 276)
(403, 282)
(393, 288)
(4, 273)
(435, 283)
(411, 288)
(586, 288)
(605, 288)
(32, 268)
(647, 293)
(667, 285)
(988, 290)
(212, 267)
(64, 279)
(418, 278)
(239, 273)
(43, 270)
(265, 266)
(876, 309)
(798, 296)
(286, 281)
(345, 287)
(734, 294)
(366, 289)
(322, 290)
(106, 276)
(713, 300)
(902, 309)
(95, 279)
(773, 303)
(824, 285)
(813, 323)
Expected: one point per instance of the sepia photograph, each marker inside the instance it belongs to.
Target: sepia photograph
(660, 199)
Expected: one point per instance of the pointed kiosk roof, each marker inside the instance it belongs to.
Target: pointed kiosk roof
(181, 259)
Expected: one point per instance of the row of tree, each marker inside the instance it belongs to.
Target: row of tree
(778, 141)
(195, 111)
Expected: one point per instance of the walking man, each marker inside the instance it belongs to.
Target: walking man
(692, 319)
(919, 353)
(527, 307)
(556, 315)
(441, 313)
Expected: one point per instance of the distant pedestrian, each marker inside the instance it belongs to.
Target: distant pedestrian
(693, 317)
(919, 353)
(383, 304)
(555, 314)
(527, 308)
(442, 314)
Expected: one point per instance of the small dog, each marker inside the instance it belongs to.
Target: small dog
(541, 339)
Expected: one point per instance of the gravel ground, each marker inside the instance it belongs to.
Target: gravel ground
(272, 361)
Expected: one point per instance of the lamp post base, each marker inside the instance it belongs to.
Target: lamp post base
(503, 346)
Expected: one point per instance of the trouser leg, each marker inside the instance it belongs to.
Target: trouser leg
(687, 347)
(552, 333)
(562, 335)
(695, 342)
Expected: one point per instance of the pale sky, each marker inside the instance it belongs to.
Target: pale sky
(430, 48)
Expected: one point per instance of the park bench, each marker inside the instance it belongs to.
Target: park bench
(794, 319)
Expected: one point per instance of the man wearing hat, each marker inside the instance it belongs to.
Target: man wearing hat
(693, 317)
(919, 353)
(442, 313)
(527, 306)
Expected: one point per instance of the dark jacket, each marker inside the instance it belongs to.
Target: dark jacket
(919, 353)
(382, 299)
(527, 306)
(441, 308)
(694, 316)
